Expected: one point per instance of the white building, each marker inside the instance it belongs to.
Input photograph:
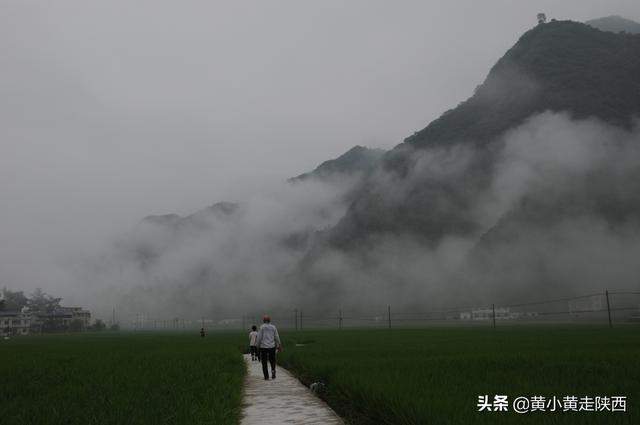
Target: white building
(482, 314)
(587, 305)
(14, 323)
(66, 315)
(502, 313)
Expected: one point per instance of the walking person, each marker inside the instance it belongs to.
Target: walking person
(268, 342)
(253, 343)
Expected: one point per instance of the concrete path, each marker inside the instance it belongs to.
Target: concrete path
(283, 400)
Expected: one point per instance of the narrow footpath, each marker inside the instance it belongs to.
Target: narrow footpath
(283, 400)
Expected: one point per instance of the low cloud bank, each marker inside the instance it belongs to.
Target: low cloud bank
(550, 209)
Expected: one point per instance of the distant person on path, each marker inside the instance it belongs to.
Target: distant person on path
(268, 342)
(202, 333)
(253, 343)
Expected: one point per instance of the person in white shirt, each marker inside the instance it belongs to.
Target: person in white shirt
(253, 343)
(268, 342)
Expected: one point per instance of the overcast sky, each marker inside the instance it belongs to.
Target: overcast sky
(112, 110)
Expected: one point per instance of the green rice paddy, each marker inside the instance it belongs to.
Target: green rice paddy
(434, 376)
(399, 376)
(120, 379)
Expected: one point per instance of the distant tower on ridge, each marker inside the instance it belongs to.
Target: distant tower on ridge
(542, 18)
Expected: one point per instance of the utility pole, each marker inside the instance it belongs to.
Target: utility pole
(493, 307)
(606, 293)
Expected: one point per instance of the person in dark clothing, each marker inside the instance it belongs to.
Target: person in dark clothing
(201, 332)
(268, 354)
(268, 341)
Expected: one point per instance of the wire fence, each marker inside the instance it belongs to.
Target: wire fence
(606, 307)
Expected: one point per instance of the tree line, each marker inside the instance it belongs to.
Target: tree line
(40, 303)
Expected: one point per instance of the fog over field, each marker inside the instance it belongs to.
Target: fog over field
(114, 111)
(249, 256)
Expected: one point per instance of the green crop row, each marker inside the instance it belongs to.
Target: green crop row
(434, 376)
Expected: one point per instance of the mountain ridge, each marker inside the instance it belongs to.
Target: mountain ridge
(358, 159)
(551, 129)
(529, 60)
(558, 66)
(615, 23)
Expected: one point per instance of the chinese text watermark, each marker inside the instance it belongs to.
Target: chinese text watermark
(539, 403)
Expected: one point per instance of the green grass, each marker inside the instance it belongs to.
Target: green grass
(402, 376)
(434, 376)
(121, 379)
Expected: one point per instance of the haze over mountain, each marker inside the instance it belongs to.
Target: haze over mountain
(551, 68)
(341, 174)
(530, 183)
(541, 160)
(616, 24)
(112, 112)
(358, 159)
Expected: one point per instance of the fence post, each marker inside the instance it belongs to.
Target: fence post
(389, 315)
(493, 307)
(606, 294)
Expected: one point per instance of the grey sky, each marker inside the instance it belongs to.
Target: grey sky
(113, 110)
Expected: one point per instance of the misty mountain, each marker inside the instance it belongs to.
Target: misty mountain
(615, 24)
(157, 237)
(203, 217)
(534, 177)
(559, 66)
(358, 159)
(531, 186)
(157, 233)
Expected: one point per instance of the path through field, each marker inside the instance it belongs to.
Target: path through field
(281, 401)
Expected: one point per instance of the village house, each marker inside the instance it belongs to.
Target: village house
(502, 313)
(24, 322)
(14, 323)
(62, 318)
